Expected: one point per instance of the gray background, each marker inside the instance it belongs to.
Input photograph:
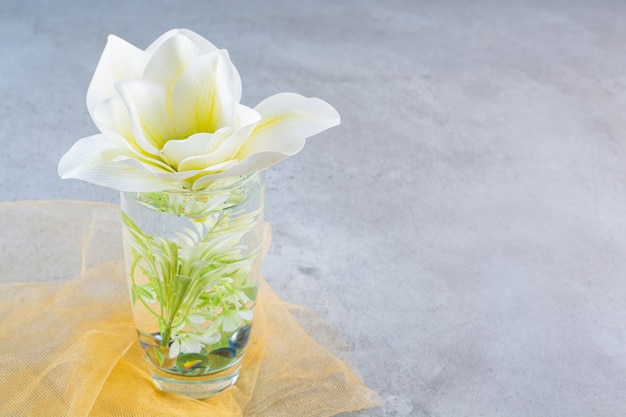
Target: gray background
(463, 228)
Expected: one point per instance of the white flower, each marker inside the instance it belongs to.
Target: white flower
(233, 319)
(191, 342)
(170, 117)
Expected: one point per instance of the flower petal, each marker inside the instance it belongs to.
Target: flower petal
(246, 116)
(150, 121)
(153, 167)
(231, 321)
(223, 154)
(175, 151)
(253, 163)
(111, 117)
(169, 61)
(246, 314)
(209, 338)
(174, 349)
(174, 178)
(196, 318)
(201, 43)
(119, 61)
(287, 119)
(204, 45)
(205, 97)
(189, 345)
(225, 150)
(91, 159)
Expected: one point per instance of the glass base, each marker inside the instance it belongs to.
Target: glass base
(196, 387)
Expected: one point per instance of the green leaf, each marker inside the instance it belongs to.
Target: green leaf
(134, 295)
(159, 355)
(146, 292)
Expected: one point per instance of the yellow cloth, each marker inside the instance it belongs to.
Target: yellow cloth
(68, 347)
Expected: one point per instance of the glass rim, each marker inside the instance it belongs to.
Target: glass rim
(238, 180)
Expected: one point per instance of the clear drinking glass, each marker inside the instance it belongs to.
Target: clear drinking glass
(192, 261)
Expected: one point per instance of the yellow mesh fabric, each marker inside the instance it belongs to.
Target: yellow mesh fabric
(68, 344)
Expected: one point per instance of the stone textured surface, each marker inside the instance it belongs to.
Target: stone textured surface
(464, 228)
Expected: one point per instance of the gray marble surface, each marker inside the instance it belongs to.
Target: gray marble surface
(463, 228)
